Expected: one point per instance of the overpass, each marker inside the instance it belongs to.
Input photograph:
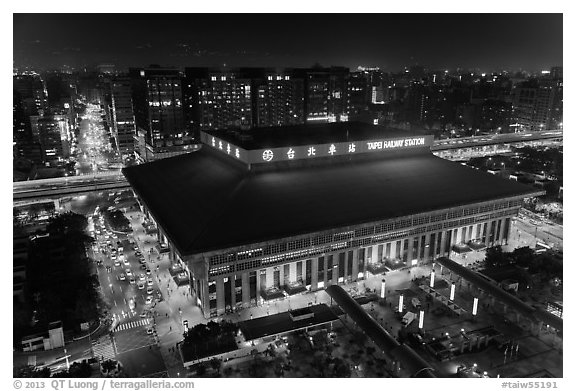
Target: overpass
(479, 146)
(52, 188)
(495, 139)
(27, 192)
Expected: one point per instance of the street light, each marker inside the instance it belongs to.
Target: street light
(475, 307)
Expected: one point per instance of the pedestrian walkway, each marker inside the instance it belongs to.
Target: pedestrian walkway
(131, 325)
(103, 348)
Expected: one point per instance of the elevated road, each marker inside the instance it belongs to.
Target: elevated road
(496, 139)
(42, 189)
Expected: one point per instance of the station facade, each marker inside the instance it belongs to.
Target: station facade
(250, 274)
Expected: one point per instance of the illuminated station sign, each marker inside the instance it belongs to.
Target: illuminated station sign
(269, 155)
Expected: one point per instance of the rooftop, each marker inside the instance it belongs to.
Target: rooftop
(205, 201)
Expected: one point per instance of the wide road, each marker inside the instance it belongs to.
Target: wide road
(129, 285)
(95, 152)
(530, 230)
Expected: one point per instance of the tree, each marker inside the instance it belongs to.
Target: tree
(30, 371)
(496, 257)
(216, 364)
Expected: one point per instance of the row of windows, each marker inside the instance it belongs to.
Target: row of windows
(378, 239)
(216, 271)
(305, 243)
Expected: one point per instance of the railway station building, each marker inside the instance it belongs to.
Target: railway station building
(257, 215)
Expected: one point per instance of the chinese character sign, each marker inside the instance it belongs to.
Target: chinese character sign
(351, 148)
(290, 154)
(311, 151)
(332, 150)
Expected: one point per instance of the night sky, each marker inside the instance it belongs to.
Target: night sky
(488, 42)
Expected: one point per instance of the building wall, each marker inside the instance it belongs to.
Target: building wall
(123, 115)
(341, 257)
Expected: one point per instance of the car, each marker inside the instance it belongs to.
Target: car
(144, 314)
(143, 267)
(108, 269)
(117, 263)
(129, 272)
(149, 299)
(150, 290)
(122, 277)
(141, 260)
(142, 277)
(121, 249)
(150, 282)
(126, 262)
(137, 253)
(132, 280)
(150, 331)
(113, 257)
(148, 272)
(141, 285)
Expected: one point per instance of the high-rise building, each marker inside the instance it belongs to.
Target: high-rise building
(326, 94)
(53, 134)
(30, 91)
(157, 101)
(533, 104)
(123, 123)
(359, 95)
(279, 100)
(218, 99)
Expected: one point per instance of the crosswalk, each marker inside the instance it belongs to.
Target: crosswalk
(130, 325)
(103, 348)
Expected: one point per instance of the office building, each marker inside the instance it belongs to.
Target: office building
(123, 123)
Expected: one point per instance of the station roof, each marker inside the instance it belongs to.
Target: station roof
(282, 322)
(205, 201)
(274, 137)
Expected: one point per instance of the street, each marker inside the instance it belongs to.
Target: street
(94, 150)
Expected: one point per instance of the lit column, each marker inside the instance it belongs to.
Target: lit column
(401, 303)
(475, 307)
(452, 291)
(432, 275)
(66, 356)
(421, 320)
(383, 289)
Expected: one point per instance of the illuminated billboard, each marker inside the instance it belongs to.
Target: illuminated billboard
(270, 155)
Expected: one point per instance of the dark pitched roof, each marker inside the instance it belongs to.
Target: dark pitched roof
(205, 201)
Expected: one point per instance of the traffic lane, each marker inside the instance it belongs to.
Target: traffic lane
(542, 231)
(143, 362)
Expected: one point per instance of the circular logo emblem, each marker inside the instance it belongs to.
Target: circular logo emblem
(267, 155)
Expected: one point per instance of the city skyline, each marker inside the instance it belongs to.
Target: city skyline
(487, 42)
